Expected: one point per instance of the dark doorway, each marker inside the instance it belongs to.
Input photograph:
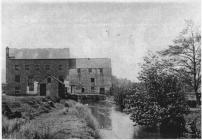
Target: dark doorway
(102, 90)
(42, 89)
(61, 87)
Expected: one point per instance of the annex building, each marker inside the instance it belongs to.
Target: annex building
(51, 72)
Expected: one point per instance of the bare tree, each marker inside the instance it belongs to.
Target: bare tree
(186, 55)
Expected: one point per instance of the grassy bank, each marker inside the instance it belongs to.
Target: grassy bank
(65, 119)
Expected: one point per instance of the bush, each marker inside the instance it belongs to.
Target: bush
(36, 130)
(10, 126)
(85, 113)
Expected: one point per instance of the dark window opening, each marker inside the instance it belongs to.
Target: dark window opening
(89, 70)
(78, 70)
(17, 90)
(37, 67)
(17, 78)
(101, 70)
(26, 67)
(31, 83)
(102, 90)
(92, 88)
(92, 80)
(60, 67)
(47, 67)
(82, 90)
(61, 78)
(16, 67)
(49, 80)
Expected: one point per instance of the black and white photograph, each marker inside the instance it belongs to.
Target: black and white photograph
(100, 69)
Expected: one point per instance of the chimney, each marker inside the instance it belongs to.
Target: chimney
(7, 52)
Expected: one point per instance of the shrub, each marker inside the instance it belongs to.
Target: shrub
(34, 130)
(85, 113)
(11, 126)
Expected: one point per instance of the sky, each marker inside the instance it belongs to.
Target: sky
(123, 31)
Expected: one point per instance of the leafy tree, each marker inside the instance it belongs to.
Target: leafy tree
(186, 55)
(162, 102)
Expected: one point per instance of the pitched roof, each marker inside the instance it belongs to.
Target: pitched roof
(39, 53)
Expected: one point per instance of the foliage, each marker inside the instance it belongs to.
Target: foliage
(186, 55)
(162, 101)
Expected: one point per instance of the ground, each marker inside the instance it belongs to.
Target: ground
(65, 119)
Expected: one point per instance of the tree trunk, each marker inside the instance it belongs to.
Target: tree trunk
(198, 98)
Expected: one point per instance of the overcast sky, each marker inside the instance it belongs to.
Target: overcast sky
(122, 31)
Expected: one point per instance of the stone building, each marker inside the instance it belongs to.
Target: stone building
(53, 74)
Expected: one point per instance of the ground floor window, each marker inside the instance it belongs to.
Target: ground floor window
(17, 90)
(102, 90)
(31, 83)
(82, 90)
(92, 89)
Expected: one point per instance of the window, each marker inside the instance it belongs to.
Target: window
(90, 70)
(82, 90)
(47, 67)
(102, 90)
(61, 78)
(101, 70)
(92, 80)
(78, 70)
(17, 78)
(31, 83)
(92, 88)
(37, 67)
(17, 90)
(60, 67)
(26, 67)
(49, 80)
(16, 67)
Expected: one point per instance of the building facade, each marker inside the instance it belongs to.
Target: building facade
(52, 76)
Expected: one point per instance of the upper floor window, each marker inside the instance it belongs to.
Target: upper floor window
(92, 80)
(101, 70)
(47, 67)
(26, 67)
(78, 70)
(60, 67)
(17, 78)
(49, 80)
(37, 67)
(90, 70)
(17, 67)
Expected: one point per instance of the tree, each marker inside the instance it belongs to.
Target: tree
(162, 102)
(186, 55)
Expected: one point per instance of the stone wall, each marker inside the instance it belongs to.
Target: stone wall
(37, 69)
(98, 69)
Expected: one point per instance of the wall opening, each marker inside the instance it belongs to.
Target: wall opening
(102, 90)
(61, 87)
(42, 89)
(82, 90)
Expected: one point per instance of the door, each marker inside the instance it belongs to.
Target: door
(42, 89)
(61, 88)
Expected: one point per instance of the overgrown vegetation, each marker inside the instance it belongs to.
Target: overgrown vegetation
(68, 119)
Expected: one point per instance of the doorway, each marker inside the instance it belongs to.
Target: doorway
(42, 89)
(61, 87)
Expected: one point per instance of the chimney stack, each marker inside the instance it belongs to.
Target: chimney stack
(7, 52)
